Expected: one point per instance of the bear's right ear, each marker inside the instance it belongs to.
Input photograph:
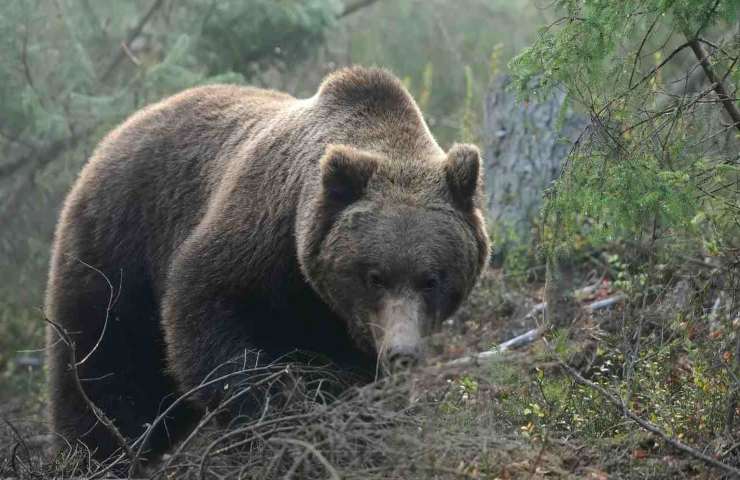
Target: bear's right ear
(345, 173)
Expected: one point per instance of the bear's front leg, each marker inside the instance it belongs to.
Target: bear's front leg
(206, 335)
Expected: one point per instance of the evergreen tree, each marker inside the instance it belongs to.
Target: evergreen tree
(658, 167)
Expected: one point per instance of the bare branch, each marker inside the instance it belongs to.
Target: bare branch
(99, 414)
(639, 50)
(719, 86)
(314, 451)
(24, 61)
(108, 307)
(652, 72)
(131, 37)
(351, 8)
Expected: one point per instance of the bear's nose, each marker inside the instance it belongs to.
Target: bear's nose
(403, 358)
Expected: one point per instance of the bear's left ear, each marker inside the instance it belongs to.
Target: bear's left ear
(462, 171)
(345, 173)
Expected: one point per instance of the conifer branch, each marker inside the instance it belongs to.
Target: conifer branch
(131, 37)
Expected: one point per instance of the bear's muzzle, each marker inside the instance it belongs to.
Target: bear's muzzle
(397, 332)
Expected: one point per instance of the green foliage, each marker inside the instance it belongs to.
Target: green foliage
(519, 255)
(589, 43)
(656, 177)
(461, 390)
(671, 386)
(675, 385)
(246, 37)
(61, 52)
(645, 174)
(612, 201)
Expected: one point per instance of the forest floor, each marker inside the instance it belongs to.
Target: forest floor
(507, 417)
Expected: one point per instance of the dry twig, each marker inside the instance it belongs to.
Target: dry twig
(99, 414)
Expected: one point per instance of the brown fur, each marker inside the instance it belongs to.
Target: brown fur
(232, 220)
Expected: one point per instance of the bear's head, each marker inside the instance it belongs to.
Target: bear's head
(394, 246)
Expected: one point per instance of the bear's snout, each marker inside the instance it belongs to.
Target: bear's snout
(397, 332)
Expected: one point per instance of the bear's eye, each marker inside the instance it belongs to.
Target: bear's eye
(375, 279)
(430, 283)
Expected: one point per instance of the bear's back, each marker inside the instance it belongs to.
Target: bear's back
(149, 181)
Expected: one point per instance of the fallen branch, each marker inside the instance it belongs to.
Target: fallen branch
(607, 302)
(649, 426)
(540, 307)
(531, 335)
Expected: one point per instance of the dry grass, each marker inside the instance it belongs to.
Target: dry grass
(420, 424)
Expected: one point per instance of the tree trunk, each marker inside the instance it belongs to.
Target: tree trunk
(525, 144)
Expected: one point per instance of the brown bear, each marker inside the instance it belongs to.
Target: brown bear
(229, 221)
